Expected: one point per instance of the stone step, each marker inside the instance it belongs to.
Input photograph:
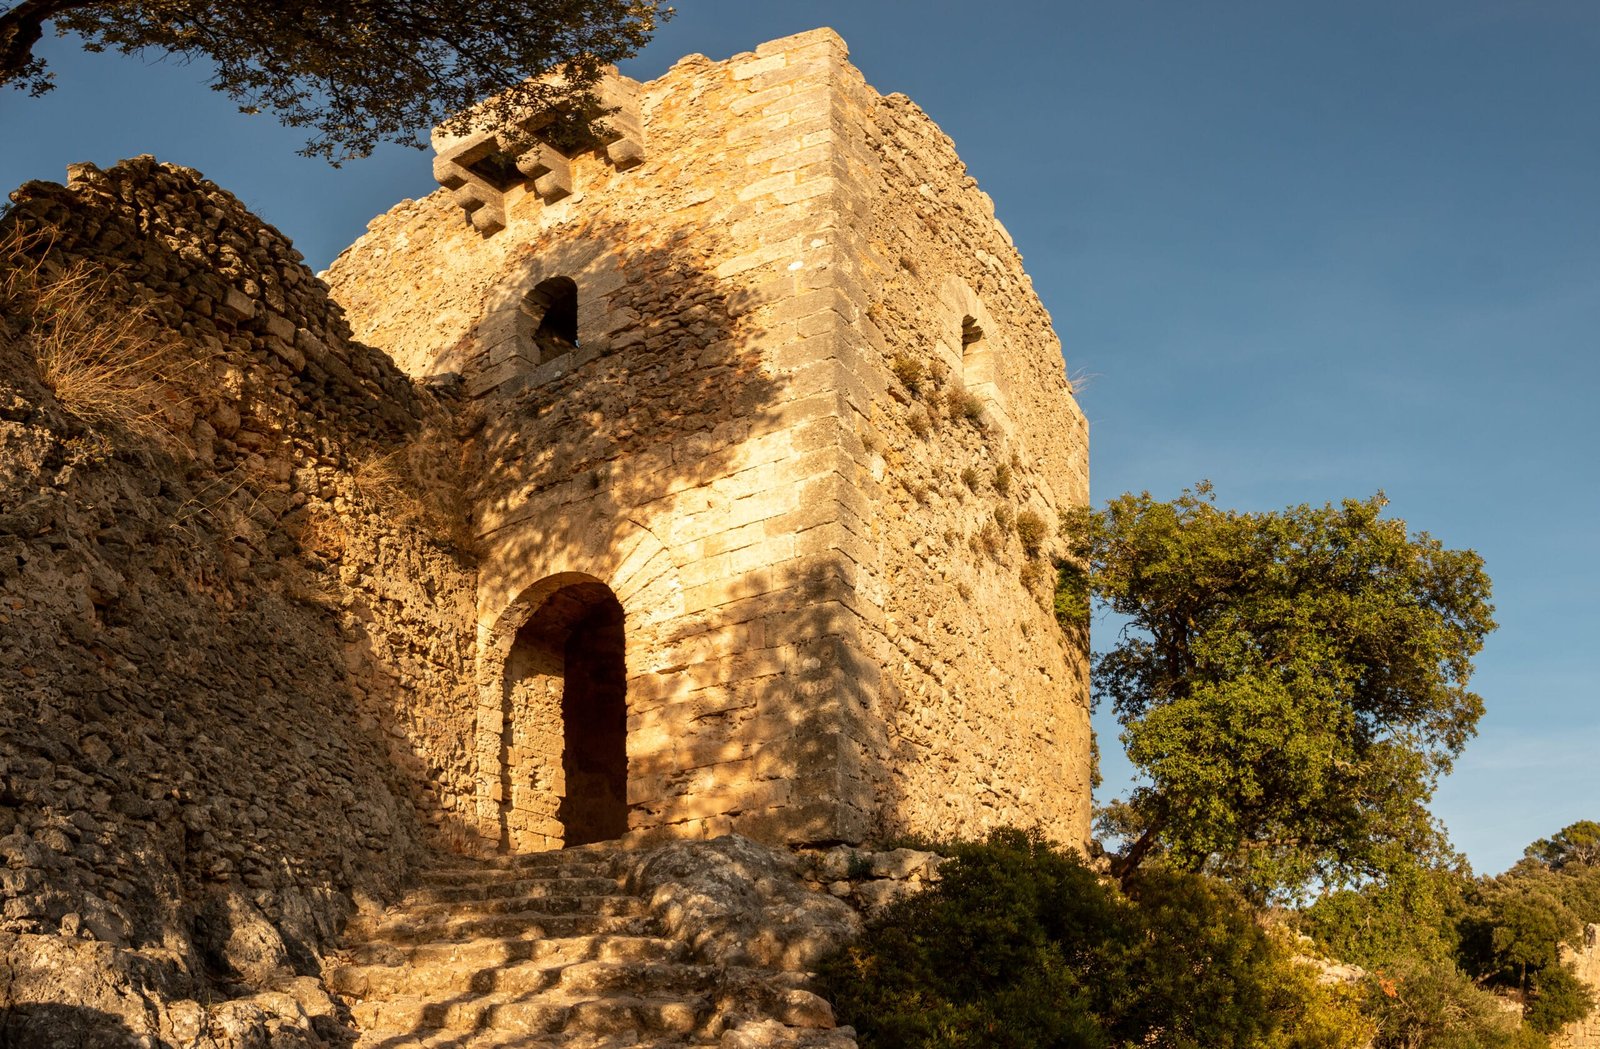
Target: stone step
(463, 1014)
(456, 874)
(596, 904)
(656, 980)
(521, 885)
(398, 930)
(545, 1014)
(580, 861)
(627, 1039)
(490, 952)
(577, 978)
(418, 923)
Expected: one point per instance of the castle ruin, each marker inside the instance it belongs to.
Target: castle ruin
(701, 477)
(772, 436)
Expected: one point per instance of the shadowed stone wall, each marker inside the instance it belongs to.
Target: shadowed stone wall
(235, 646)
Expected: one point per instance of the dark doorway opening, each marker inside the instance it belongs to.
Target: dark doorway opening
(573, 644)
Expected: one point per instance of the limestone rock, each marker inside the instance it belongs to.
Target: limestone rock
(739, 903)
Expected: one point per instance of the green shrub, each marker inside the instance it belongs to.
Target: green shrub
(1556, 998)
(1434, 1005)
(1072, 605)
(1020, 945)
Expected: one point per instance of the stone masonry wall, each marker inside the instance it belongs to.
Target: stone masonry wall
(728, 449)
(231, 662)
(1585, 1034)
(684, 454)
(975, 446)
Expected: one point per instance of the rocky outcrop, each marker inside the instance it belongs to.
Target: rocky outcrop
(739, 903)
(869, 880)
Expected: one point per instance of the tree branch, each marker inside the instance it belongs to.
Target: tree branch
(21, 28)
(1123, 866)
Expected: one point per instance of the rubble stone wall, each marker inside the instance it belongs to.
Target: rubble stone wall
(975, 447)
(231, 664)
(1585, 959)
(834, 627)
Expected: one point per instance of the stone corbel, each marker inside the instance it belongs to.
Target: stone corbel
(481, 168)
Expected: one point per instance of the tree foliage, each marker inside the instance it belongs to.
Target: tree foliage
(1020, 945)
(1576, 843)
(1292, 684)
(356, 72)
(1436, 942)
(1414, 913)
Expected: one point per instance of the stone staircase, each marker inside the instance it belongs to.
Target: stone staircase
(550, 950)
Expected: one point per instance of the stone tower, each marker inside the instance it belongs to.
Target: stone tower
(770, 436)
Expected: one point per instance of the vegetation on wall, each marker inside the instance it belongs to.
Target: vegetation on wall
(107, 362)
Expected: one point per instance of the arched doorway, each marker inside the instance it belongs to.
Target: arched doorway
(564, 759)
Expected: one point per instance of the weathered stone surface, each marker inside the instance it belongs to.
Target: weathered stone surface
(231, 669)
(65, 993)
(739, 903)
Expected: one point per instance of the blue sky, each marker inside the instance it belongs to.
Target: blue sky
(1307, 251)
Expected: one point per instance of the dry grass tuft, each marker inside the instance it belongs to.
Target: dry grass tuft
(420, 484)
(107, 362)
(919, 423)
(1032, 531)
(964, 405)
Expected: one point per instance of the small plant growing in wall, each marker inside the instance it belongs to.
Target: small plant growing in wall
(1002, 479)
(986, 540)
(1004, 518)
(964, 405)
(969, 477)
(1031, 531)
(1036, 578)
(918, 422)
(909, 371)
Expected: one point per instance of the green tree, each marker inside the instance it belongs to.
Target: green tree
(1576, 843)
(1511, 934)
(356, 72)
(1413, 915)
(1291, 684)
